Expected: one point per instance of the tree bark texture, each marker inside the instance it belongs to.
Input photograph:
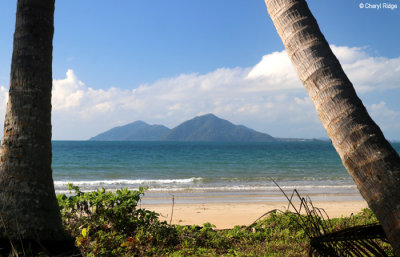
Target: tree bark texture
(366, 154)
(28, 205)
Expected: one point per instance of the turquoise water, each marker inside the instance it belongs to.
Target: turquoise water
(206, 168)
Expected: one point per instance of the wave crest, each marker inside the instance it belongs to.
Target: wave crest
(127, 182)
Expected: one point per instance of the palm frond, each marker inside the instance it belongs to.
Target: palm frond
(325, 239)
(352, 241)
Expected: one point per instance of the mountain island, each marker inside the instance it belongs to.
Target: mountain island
(205, 128)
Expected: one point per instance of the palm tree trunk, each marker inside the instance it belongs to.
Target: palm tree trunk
(366, 154)
(28, 206)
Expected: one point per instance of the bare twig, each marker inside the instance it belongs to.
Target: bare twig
(172, 211)
(264, 215)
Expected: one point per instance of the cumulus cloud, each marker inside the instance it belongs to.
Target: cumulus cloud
(385, 116)
(3, 102)
(267, 97)
(366, 72)
(67, 93)
(369, 73)
(277, 69)
(229, 93)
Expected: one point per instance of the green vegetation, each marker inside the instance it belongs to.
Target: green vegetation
(111, 224)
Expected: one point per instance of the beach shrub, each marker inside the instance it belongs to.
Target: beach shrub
(112, 224)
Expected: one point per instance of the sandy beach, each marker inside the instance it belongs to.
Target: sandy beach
(227, 215)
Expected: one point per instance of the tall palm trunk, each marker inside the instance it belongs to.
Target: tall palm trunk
(367, 156)
(28, 206)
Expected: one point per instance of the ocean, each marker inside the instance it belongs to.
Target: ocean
(205, 171)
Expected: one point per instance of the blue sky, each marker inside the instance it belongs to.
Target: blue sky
(167, 61)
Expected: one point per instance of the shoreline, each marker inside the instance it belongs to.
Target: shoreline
(225, 215)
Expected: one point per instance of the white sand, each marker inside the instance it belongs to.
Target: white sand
(227, 215)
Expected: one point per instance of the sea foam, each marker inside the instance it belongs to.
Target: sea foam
(126, 182)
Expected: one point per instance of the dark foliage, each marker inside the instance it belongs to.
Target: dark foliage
(326, 239)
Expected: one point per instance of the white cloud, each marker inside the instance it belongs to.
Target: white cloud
(384, 116)
(267, 97)
(67, 92)
(277, 69)
(369, 73)
(3, 104)
(230, 93)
